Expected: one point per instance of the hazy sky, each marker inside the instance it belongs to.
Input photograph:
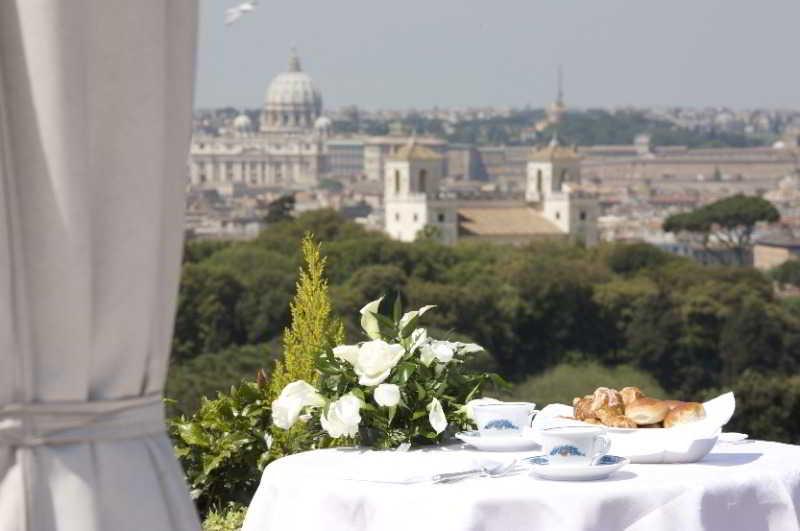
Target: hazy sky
(424, 53)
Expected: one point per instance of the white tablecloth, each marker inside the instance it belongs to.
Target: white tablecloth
(749, 487)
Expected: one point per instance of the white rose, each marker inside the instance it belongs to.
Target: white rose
(376, 359)
(387, 395)
(442, 351)
(436, 416)
(294, 397)
(342, 417)
(469, 406)
(348, 353)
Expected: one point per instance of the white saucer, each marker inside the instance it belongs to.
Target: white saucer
(540, 465)
(497, 443)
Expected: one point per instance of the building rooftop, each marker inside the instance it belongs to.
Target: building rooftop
(504, 221)
(415, 151)
(554, 151)
(786, 242)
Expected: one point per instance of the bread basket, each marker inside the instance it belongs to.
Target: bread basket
(685, 443)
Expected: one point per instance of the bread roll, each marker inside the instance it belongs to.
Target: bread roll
(619, 421)
(630, 395)
(647, 411)
(674, 403)
(685, 413)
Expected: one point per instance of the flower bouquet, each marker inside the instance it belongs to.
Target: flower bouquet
(398, 387)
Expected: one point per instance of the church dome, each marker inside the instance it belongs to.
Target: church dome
(292, 101)
(323, 123)
(242, 123)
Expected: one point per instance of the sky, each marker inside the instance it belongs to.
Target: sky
(452, 53)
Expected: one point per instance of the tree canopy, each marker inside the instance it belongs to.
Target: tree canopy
(728, 223)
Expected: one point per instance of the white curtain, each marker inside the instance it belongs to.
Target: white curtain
(95, 110)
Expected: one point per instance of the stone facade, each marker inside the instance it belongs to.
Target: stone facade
(288, 149)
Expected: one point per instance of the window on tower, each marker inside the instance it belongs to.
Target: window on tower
(539, 180)
(397, 181)
(423, 177)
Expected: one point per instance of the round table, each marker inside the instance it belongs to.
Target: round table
(749, 486)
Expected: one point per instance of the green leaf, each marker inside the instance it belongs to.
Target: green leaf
(192, 434)
(358, 393)
(398, 309)
(403, 372)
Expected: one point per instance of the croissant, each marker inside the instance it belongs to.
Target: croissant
(610, 399)
(582, 408)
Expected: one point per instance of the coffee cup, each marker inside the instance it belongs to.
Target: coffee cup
(503, 419)
(574, 445)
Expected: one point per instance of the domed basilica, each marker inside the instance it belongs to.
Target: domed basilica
(287, 148)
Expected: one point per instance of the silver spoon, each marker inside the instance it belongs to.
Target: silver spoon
(492, 470)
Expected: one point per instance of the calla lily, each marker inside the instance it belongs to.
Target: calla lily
(368, 320)
(436, 416)
(441, 351)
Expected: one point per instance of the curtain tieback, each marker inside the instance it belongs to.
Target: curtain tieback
(54, 423)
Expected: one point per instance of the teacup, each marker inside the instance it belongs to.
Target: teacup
(574, 445)
(503, 419)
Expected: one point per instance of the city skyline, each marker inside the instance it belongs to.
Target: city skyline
(467, 54)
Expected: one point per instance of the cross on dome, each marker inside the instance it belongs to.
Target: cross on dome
(294, 61)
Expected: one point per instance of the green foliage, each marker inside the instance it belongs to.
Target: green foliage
(206, 318)
(313, 329)
(730, 221)
(420, 383)
(787, 273)
(628, 259)
(564, 382)
(767, 407)
(280, 209)
(224, 445)
(231, 518)
(692, 327)
(195, 251)
(211, 372)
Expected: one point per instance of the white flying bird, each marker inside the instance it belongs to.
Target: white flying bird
(235, 13)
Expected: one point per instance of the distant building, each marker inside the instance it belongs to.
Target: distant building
(774, 252)
(379, 149)
(553, 205)
(345, 157)
(287, 149)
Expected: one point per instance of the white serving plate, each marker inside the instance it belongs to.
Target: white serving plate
(609, 464)
(685, 443)
(499, 443)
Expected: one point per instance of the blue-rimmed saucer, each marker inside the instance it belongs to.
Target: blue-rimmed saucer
(605, 466)
(498, 443)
